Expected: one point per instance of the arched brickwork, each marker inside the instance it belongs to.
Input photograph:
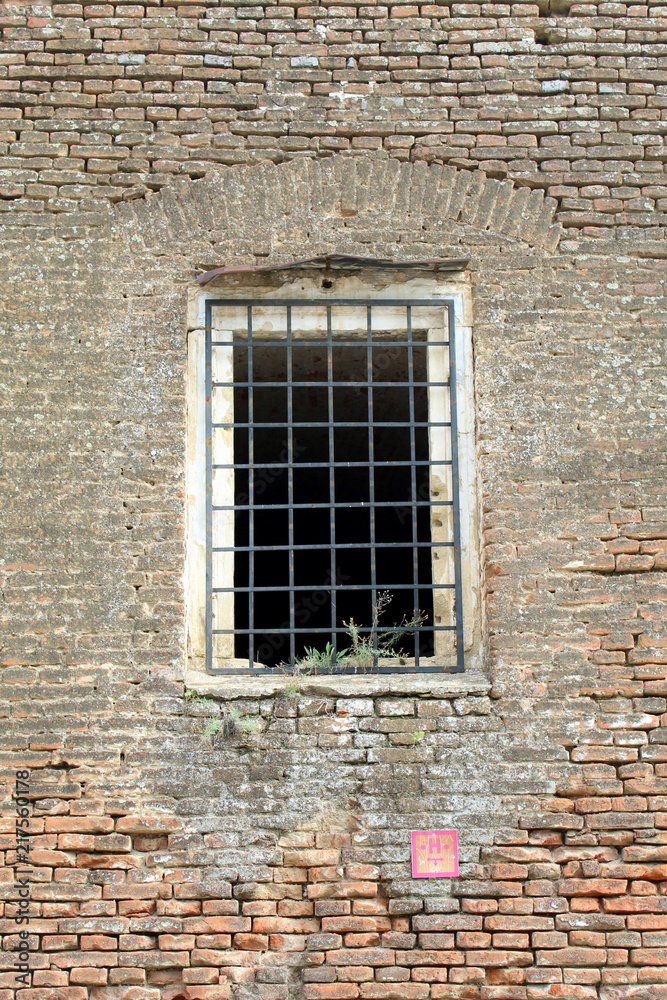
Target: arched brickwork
(377, 205)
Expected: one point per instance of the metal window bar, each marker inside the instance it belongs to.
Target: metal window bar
(413, 478)
(251, 492)
(332, 484)
(415, 581)
(290, 489)
(371, 470)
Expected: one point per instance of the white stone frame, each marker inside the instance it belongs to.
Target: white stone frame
(308, 284)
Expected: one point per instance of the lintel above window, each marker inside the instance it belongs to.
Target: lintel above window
(341, 261)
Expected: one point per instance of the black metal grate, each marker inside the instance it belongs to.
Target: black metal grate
(326, 482)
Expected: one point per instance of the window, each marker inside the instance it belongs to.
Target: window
(329, 456)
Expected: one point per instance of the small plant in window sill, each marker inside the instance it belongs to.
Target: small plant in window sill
(313, 662)
(363, 653)
(366, 650)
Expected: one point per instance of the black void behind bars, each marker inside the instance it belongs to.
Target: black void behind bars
(331, 467)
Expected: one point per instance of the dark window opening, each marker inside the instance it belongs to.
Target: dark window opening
(315, 482)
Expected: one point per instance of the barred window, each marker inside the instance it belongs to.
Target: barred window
(333, 525)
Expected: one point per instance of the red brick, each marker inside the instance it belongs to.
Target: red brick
(549, 939)
(509, 871)
(362, 872)
(495, 958)
(91, 959)
(361, 956)
(285, 925)
(369, 907)
(634, 564)
(605, 754)
(519, 855)
(332, 907)
(436, 942)
(508, 922)
(587, 939)
(330, 991)
(635, 904)
(479, 906)
(294, 908)
(119, 862)
(519, 941)
(506, 977)
(176, 942)
(647, 922)
(395, 991)
(218, 991)
(471, 939)
(427, 958)
(53, 977)
(78, 824)
(355, 924)
(649, 956)
(447, 922)
(215, 941)
(448, 991)
(592, 887)
(361, 940)
(89, 977)
(344, 890)
(63, 993)
(76, 842)
(572, 957)
(59, 942)
(640, 853)
(593, 804)
(98, 942)
(203, 976)
(147, 824)
(504, 992)
(362, 973)
(251, 942)
(429, 974)
(225, 925)
(311, 858)
(402, 939)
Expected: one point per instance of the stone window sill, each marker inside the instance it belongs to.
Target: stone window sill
(422, 685)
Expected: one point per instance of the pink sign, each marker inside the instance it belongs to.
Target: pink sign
(435, 854)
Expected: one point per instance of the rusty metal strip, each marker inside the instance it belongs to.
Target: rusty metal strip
(339, 261)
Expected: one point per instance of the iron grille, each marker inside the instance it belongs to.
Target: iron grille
(321, 454)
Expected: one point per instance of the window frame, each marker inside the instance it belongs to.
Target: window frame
(451, 294)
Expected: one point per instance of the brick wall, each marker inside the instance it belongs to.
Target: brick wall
(200, 892)
(111, 100)
(170, 864)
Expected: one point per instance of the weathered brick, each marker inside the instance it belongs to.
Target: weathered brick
(405, 132)
(592, 887)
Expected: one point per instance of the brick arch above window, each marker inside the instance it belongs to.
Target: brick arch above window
(370, 206)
